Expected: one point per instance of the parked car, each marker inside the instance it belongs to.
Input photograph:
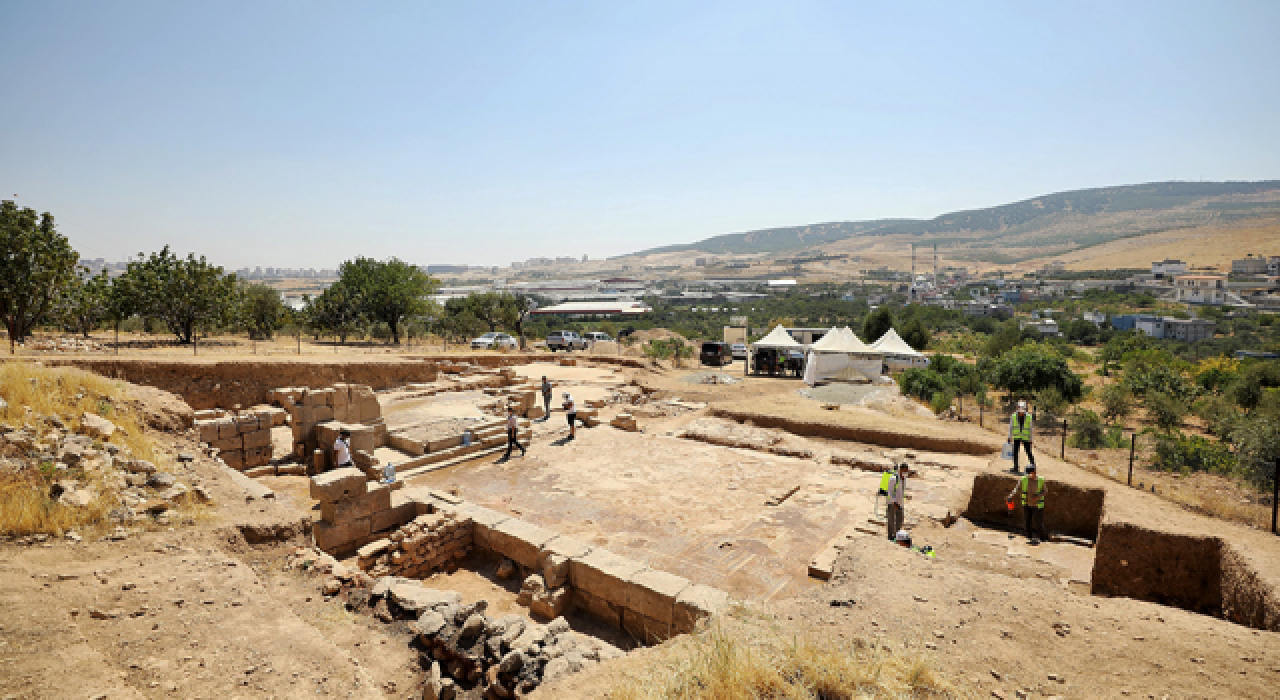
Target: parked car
(716, 354)
(597, 337)
(739, 351)
(565, 340)
(493, 341)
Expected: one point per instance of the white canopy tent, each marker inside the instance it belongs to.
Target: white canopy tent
(778, 338)
(897, 354)
(841, 355)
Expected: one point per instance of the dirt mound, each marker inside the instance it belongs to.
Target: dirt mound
(658, 334)
(160, 409)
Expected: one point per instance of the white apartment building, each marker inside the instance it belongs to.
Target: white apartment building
(1200, 289)
(1168, 268)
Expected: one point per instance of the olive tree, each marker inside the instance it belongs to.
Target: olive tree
(188, 294)
(36, 265)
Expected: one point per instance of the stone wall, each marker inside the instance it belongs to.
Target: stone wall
(416, 532)
(243, 440)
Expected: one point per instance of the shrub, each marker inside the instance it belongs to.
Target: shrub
(1192, 453)
(1087, 429)
(1166, 410)
(922, 382)
(1218, 414)
(1116, 400)
(1032, 368)
(1257, 443)
(1050, 403)
(941, 401)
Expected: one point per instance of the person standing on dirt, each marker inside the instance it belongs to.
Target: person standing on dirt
(1032, 488)
(342, 449)
(895, 514)
(513, 432)
(571, 411)
(1020, 435)
(546, 397)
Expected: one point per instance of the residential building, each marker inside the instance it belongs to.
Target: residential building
(1184, 329)
(1095, 317)
(1128, 322)
(1200, 289)
(1168, 268)
(1249, 265)
(1046, 326)
(1273, 265)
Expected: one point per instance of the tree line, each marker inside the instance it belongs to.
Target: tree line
(43, 284)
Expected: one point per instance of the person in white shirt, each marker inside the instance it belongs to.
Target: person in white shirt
(896, 514)
(571, 411)
(513, 432)
(342, 449)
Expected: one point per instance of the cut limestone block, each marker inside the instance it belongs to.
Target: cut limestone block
(644, 628)
(653, 594)
(227, 428)
(233, 459)
(485, 521)
(246, 423)
(208, 430)
(604, 574)
(555, 557)
(550, 604)
(338, 484)
(364, 505)
(330, 537)
(403, 509)
(257, 456)
(695, 603)
(598, 607)
(519, 541)
(236, 442)
(258, 438)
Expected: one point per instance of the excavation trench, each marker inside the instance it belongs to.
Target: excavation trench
(1202, 574)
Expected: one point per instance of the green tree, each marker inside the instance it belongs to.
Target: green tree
(1166, 410)
(493, 309)
(517, 308)
(189, 295)
(336, 310)
(916, 335)
(1116, 400)
(36, 265)
(85, 301)
(1030, 368)
(1081, 332)
(262, 310)
(392, 291)
(876, 324)
(1005, 339)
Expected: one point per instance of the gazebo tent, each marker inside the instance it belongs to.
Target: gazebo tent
(841, 355)
(897, 354)
(778, 338)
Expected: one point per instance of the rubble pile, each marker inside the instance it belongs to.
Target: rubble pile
(67, 344)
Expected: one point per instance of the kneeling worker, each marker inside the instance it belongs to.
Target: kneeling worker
(1032, 488)
(896, 515)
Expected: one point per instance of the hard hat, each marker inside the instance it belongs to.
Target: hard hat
(903, 465)
(1022, 405)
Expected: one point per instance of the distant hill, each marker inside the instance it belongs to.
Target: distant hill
(1073, 219)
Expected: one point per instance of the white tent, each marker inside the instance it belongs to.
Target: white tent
(840, 355)
(778, 338)
(897, 354)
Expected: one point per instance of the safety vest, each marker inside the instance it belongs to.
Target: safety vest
(1021, 432)
(884, 482)
(1038, 500)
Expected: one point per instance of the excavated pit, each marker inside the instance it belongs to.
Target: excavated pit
(1073, 511)
(1197, 573)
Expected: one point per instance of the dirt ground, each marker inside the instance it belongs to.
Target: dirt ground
(194, 610)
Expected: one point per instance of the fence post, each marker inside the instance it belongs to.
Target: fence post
(1064, 441)
(1133, 445)
(195, 344)
(1275, 496)
(299, 342)
(980, 408)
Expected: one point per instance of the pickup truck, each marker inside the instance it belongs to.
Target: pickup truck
(565, 340)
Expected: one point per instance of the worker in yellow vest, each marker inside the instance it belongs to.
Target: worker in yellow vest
(1020, 435)
(1033, 491)
(896, 512)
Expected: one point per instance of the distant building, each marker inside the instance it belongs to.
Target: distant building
(1045, 326)
(1094, 317)
(1187, 330)
(1273, 265)
(446, 269)
(1200, 289)
(595, 308)
(1128, 322)
(1249, 266)
(1168, 268)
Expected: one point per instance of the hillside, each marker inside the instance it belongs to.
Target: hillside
(1032, 228)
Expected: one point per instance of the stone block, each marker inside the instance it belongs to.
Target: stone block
(257, 456)
(653, 594)
(444, 443)
(598, 608)
(695, 603)
(406, 444)
(330, 537)
(233, 459)
(519, 541)
(208, 430)
(227, 428)
(247, 423)
(259, 438)
(363, 505)
(400, 512)
(555, 557)
(235, 442)
(484, 520)
(643, 628)
(323, 413)
(550, 604)
(604, 574)
(374, 548)
(338, 485)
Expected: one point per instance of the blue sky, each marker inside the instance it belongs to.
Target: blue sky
(302, 134)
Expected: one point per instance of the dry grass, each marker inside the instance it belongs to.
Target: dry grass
(736, 664)
(34, 392)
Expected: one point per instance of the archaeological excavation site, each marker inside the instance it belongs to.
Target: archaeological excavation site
(246, 551)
